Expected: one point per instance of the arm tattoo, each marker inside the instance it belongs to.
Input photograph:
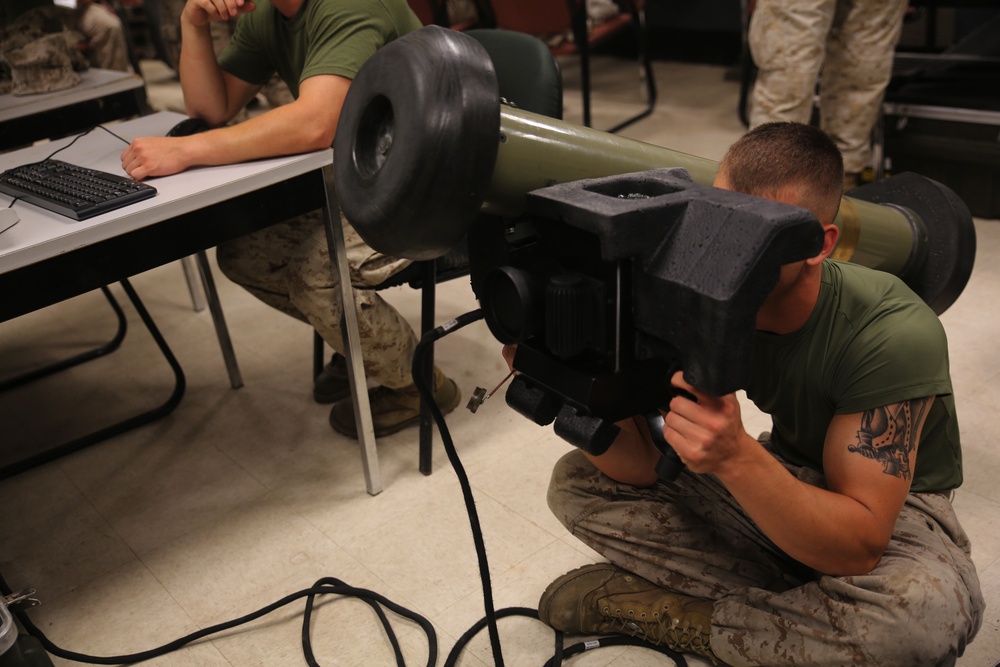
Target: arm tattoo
(888, 435)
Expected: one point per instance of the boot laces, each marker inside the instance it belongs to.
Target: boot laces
(660, 629)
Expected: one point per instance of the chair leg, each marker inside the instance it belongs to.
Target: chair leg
(165, 408)
(427, 303)
(580, 35)
(878, 145)
(645, 59)
(748, 71)
(318, 356)
(76, 360)
(191, 275)
(221, 330)
(748, 74)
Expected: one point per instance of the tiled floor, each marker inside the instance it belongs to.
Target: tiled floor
(241, 497)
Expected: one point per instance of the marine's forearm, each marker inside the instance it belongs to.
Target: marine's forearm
(201, 77)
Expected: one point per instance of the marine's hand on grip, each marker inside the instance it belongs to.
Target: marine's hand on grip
(706, 431)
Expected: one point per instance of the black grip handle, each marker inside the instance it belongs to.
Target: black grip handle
(669, 466)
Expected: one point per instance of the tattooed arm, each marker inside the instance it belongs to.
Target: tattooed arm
(870, 458)
(868, 462)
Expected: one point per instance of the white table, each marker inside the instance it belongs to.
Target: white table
(46, 257)
(101, 96)
(42, 235)
(94, 83)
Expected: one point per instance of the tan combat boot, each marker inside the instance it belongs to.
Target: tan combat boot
(395, 409)
(604, 599)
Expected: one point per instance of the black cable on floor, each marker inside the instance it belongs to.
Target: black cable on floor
(420, 366)
(456, 650)
(420, 375)
(561, 651)
(332, 586)
(326, 586)
(615, 640)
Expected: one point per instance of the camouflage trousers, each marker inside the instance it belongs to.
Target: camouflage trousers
(288, 267)
(850, 43)
(106, 37)
(920, 606)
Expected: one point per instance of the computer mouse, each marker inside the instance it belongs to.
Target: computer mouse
(187, 127)
(8, 218)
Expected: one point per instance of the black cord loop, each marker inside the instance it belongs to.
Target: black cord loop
(333, 586)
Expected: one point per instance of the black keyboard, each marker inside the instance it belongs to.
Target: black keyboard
(76, 192)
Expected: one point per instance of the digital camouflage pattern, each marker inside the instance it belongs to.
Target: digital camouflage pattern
(918, 607)
(288, 267)
(849, 43)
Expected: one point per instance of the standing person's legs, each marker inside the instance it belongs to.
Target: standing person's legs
(788, 44)
(106, 37)
(154, 19)
(170, 29)
(858, 68)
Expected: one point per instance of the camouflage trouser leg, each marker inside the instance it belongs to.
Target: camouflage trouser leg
(170, 29)
(851, 42)
(106, 36)
(919, 606)
(857, 70)
(788, 45)
(288, 267)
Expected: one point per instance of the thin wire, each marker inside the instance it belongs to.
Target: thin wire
(79, 136)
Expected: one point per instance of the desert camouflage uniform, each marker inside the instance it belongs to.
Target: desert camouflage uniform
(851, 41)
(170, 29)
(918, 607)
(43, 43)
(105, 35)
(288, 267)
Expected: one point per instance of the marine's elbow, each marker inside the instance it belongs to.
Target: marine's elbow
(858, 567)
(317, 136)
(856, 563)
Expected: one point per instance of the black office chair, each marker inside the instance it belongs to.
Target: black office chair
(554, 17)
(435, 12)
(529, 78)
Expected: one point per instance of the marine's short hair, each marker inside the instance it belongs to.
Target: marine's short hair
(775, 156)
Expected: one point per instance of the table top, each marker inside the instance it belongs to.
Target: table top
(41, 234)
(94, 83)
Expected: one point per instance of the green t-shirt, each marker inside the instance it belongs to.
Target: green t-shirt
(869, 342)
(324, 37)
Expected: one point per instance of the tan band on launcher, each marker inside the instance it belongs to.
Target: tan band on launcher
(850, 231)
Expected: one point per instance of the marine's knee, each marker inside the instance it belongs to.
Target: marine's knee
(571, 487)
(920, 624)
(557, 487)
(313, 288)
